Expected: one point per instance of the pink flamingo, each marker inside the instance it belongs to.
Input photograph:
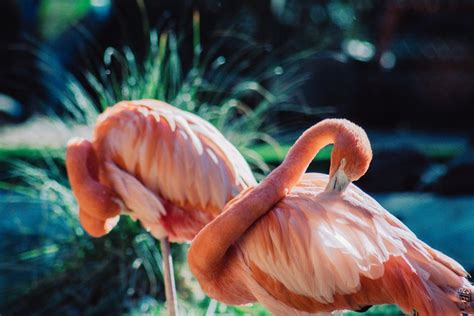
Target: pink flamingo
(308, 243)
(168, 168)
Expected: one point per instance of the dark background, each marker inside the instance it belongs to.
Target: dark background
(418, 72)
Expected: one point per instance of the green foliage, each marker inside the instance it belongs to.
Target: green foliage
(273, 154)
(59, 254)
(386, 310)
(57, 15)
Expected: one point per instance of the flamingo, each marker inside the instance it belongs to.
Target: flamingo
(307, 243)
(168, 168)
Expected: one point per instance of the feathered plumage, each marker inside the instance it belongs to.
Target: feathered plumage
(168, 168)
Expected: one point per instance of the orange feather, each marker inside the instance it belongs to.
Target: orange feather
(168, 168)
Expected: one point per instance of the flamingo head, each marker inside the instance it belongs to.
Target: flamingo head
(350, 158)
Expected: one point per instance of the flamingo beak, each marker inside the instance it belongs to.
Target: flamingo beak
(110, 223)
(339, 181)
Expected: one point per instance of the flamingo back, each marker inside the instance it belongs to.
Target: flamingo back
(319, 251)
(160, 159)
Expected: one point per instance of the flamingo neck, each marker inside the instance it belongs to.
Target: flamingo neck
(302, 153)
(207, 252)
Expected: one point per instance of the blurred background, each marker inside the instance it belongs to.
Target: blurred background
(262, 72)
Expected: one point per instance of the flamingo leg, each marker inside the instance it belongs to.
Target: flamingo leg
(170, 288)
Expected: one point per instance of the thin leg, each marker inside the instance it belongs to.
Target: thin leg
(211, 309)
(170, 288)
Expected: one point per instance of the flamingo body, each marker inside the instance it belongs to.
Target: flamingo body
(317, 251)
(168, 168)
(300, 247)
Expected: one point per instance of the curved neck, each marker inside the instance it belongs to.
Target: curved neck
(302, 153)
(98, 204)
(208, 249)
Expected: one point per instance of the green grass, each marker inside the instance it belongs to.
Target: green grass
(385, 310)
(220, 309)
(257, 310)
(209, 308)
(276, 154)
(28, 153)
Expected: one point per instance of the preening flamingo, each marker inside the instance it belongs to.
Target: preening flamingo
(168, 168)
(310, 243)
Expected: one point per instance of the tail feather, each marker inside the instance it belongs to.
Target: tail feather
(438, 286)
(447, 261)
(410, 289)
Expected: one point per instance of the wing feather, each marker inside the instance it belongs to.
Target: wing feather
(173, 154)
(320, 244)
(138, 198)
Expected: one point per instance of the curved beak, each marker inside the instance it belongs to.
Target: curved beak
(339, 181)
